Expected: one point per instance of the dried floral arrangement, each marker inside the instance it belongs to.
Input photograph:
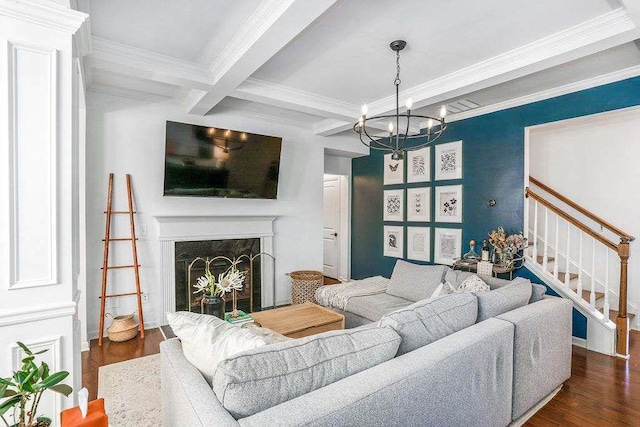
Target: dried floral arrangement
(507, 246)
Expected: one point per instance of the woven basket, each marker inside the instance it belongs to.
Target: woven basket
(304, 284)
(123, 328)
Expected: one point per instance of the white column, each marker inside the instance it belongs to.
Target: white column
(39, 202)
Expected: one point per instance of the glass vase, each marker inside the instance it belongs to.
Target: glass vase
(212, 305)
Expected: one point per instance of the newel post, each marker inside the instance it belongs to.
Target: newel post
(622, 322)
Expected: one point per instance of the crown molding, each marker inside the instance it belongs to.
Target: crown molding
(83, 39)
(262, 117)
(125, 59)
(126, 93)
(278, 95)
(45, 13)
(547, 94)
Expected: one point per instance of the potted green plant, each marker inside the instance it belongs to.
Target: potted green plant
(22, 391)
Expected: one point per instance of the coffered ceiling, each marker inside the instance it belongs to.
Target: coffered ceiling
(312, 63)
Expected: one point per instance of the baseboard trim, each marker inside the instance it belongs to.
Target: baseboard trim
(579, 342)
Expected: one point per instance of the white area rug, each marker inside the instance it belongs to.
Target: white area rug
(131, 391)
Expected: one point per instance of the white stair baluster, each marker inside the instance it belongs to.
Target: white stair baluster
(545, 256)
(592, 296)
(567, 256)
(605, 307)
(579, 290)
(535, 231)
(557, 243)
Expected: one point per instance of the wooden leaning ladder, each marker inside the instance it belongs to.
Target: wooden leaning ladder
(105, 260)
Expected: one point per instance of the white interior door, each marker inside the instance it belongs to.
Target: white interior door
(331, 231)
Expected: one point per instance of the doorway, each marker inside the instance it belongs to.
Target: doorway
(336, 233)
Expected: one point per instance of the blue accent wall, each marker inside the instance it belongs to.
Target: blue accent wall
(493, 168)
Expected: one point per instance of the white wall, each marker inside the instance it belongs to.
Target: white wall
(594, 161)
(128, 136)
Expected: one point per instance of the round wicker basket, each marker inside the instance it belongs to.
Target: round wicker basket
(123, 328)
(304, 284)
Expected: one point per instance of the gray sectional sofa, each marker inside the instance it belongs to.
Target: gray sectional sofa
(453, 360)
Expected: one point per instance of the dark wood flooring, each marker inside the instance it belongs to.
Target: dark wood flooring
(114, 352)
(331, 281)
(602, 390)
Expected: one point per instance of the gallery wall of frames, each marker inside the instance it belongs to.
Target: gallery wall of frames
(418, 198)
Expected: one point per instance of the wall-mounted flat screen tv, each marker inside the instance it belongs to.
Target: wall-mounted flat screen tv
(217, 162)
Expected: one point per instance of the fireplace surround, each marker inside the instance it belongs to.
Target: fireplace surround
(189, 228)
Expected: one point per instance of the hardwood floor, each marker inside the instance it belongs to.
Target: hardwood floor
(114, 352)
(602, 390)
(331, 281)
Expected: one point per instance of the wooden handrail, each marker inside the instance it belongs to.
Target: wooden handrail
(580, 209)
(572, 220)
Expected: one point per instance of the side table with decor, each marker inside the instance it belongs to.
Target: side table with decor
(304, 284)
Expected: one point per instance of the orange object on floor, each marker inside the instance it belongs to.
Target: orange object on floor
(95, 416)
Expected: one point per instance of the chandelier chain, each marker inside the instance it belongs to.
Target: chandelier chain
(397, 81)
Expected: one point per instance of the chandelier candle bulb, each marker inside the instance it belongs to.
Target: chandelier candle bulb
(409, 104)
(443, 112)
(365, 110)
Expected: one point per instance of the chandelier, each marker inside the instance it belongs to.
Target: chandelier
(398, 142)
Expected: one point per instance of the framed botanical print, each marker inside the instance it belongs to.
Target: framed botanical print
(393, 241)
(448, 160)
(447, 245)
(419, 243)
(393, 171)
(419, 165)
(393, 205)
(448, 203)
(419, 204)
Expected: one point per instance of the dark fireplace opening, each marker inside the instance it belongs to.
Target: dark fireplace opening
(248, 299)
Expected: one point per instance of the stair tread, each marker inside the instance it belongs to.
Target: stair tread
(586, 294)
(562, 274)
(541, 259)
(613, 314)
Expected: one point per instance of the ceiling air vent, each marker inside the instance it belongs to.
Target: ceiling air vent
(461, 105)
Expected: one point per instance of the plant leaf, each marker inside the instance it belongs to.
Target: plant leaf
(54, 379)
(3, 390)
(42, 351)
(28, 359)
(9, 403)
(62, 389)
(6, 381)
(25, 348)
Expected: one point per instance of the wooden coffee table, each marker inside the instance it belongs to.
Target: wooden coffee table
(300, 320)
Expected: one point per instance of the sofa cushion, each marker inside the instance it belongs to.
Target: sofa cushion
(207, 340)
(429, 320)
(258, 379)
(415, 282)
(506, 298)
(373, 307)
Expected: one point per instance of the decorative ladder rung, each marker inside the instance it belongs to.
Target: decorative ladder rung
(113, 267)
(120, 239)
(119, 295)
(120, 212)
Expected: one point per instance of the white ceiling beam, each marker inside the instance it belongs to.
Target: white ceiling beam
(633, 9)
(128, 60)
(271, 27)
(598, 34)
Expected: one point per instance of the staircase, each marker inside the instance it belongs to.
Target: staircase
(580, 256)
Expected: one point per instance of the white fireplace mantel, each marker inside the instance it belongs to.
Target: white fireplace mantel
(198, 227)
(180, 228)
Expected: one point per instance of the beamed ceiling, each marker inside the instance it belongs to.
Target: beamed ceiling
(313, 63)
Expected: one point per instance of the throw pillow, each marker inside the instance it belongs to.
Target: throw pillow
(415, 282)
(207, 340)
(507, 298)
(258, 379)
(473, 284)
(430, 320)
(537, 292)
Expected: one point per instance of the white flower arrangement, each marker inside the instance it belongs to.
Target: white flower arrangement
(230, 280)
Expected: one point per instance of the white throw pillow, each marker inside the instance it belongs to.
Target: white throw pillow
(472, 284)
(207, 340)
